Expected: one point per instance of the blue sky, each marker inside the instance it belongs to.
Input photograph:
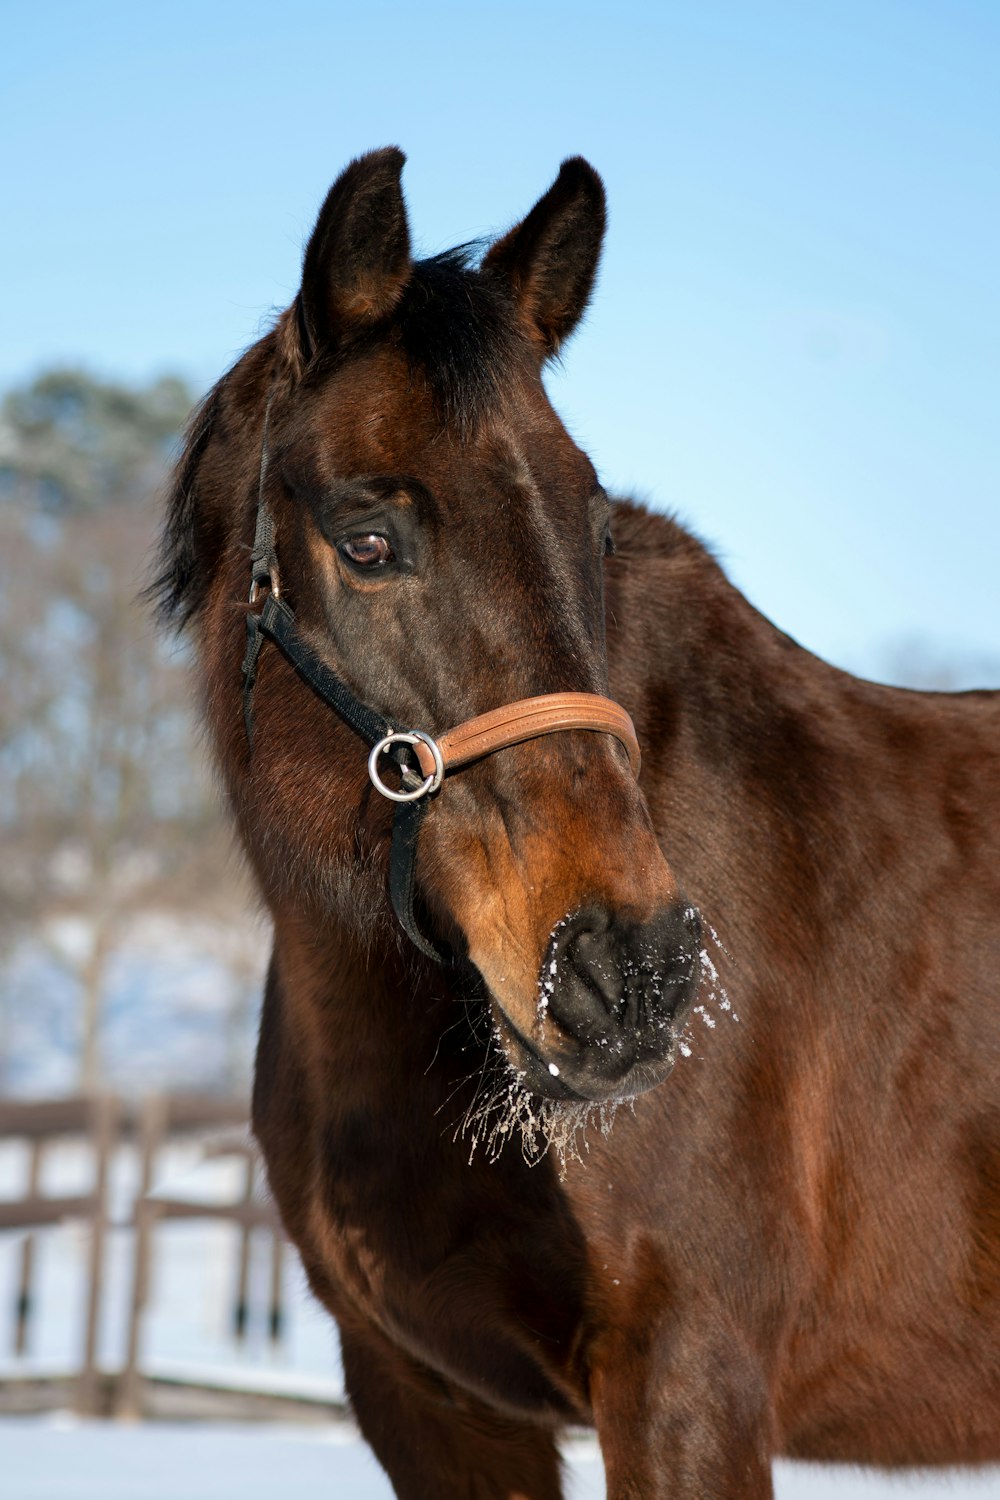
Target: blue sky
(796, 337)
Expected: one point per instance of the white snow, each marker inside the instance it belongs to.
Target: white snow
(58, 1458)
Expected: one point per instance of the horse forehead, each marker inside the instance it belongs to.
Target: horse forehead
(379, 419)
(368, 411)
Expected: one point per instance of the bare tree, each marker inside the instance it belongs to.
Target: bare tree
(105, 808)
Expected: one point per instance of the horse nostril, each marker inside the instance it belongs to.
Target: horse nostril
(607, 981)
(592, 960)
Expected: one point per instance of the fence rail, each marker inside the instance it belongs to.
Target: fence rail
(101, 1126)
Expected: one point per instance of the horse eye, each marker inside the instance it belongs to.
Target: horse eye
(371, 551)
(609, 545)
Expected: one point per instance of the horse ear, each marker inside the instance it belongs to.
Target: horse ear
(357, 261)
(550, 258)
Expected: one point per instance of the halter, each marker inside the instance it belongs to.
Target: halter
(422, 760)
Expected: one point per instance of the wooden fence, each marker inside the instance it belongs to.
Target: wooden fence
(102, 1126)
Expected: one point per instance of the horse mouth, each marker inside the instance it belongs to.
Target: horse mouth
(580, 1076)
(534, 1074)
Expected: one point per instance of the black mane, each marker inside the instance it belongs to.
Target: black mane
(177, 586)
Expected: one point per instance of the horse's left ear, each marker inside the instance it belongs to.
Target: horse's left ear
(550, 258)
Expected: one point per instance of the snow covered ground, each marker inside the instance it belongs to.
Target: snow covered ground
(60, 1459)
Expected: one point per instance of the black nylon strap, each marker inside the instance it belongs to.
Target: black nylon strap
(263, 558)
(249, 669)
(402, 882)
(277, 622)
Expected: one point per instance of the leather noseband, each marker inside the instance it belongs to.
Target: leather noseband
(526, 720)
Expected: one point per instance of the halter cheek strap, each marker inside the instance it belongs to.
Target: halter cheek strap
(276, 623)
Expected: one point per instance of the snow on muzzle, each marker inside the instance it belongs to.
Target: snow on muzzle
(613, 995)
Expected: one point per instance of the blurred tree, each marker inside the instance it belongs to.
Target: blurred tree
(105, 807)
(919, 662)
(71, 443)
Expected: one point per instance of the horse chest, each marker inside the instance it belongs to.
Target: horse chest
(465, 1283)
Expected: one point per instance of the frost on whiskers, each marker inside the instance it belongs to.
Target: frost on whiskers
(508, 1113)
(712, 995)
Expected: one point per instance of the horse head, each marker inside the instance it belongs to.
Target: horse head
(441, 538)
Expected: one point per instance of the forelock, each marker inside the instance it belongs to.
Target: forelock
(460, 329)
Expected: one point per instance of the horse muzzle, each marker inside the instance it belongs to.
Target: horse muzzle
(613, 996)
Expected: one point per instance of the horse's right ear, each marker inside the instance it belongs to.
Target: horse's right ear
(357, 261)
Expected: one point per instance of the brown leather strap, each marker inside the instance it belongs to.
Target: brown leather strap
(526, 720)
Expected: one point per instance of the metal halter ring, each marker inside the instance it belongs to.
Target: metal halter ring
(429, 783)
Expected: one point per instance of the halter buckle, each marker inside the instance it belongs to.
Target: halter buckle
(407, 737)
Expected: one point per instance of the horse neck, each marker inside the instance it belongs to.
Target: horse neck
(792, 798)
(366, 1020)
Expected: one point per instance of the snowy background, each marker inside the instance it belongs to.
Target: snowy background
(60, 1459)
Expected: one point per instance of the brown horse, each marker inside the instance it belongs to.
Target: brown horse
(791, 1245)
